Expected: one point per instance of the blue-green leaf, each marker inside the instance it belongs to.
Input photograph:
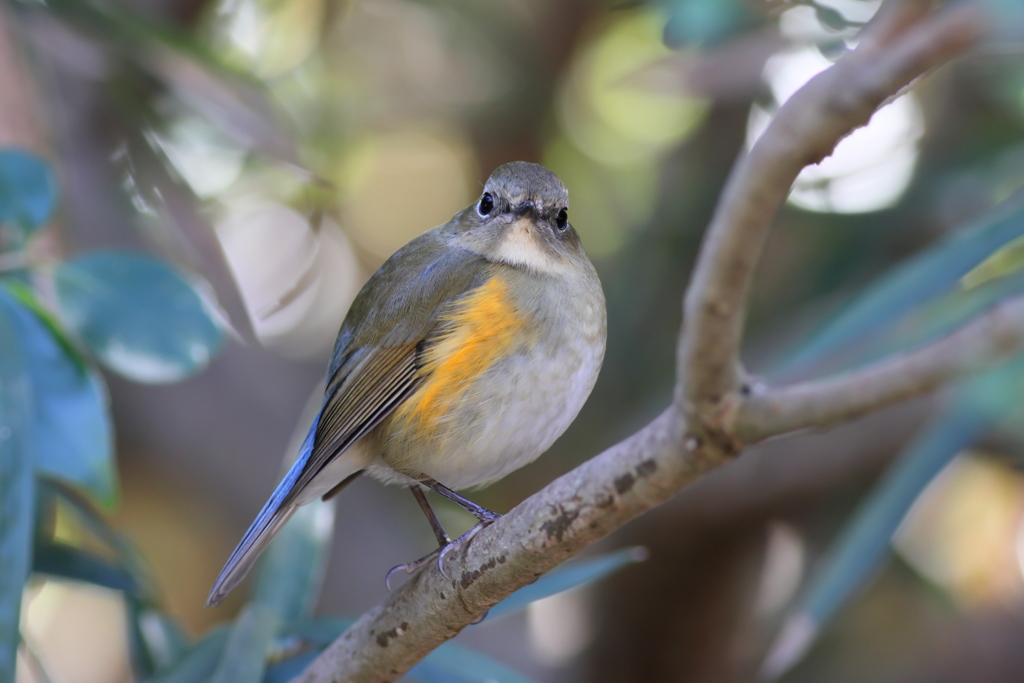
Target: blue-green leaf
(17, 486)
(28, 192)
(920, 279)
(199, 663)
(864, 542)
(72, 427)
(244, 659)
(290, 572)
(321, 632)
(567, 577)
(705, 22)
(90, 518)
(138, 315)
(156, 640)
(26, 296)
(450, 663)
(68, 562)
(287, 670)
(288, 579)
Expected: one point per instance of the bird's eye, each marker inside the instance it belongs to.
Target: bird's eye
(562, 219)
(486, 204)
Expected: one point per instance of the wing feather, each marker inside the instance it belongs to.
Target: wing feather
(383, 380)
(376, 364)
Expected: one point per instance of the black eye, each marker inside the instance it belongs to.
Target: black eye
(486, 204)
(562, 219)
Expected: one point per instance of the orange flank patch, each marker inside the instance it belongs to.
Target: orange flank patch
(483, 327)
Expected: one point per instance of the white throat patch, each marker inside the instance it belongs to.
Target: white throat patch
(521, 247)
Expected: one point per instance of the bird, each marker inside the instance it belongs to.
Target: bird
(462, 359)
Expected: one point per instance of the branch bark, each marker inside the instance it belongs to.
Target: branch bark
(995, 335)
(902, 42)
(701, 430)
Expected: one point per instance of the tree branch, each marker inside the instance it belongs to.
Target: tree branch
(569, 514)
(899, 45)
(696, 434)
(993, 336)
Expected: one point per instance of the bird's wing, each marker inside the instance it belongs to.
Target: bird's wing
(380, 382)
(376, 364)
(377, 361)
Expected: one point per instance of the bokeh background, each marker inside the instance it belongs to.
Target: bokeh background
(277, 151)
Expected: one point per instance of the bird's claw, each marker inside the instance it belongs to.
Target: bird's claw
(458, 542)
(410, 567)
(440, 553)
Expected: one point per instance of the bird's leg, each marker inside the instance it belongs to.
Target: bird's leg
(443, 541)
(485, 516)
(421, 498)
(481, 513)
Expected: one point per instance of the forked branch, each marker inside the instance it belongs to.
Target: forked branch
(699, 432)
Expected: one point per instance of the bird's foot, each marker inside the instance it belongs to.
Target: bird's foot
(486, 518)
(412, 567)
(463, 539)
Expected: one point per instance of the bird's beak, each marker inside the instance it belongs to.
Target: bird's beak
(528, 208)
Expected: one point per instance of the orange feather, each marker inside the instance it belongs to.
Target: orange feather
(482, 328)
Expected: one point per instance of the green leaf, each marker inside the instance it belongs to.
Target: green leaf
(452, 663)
(286, 670)
(68, 562)
(17, 485)
(937, 318)
(156, 640)
(921, 279)
(567, 577)
(706, 22)
(244, 659)
(92, 520)
(199, 663)
(322, 631)
(290, 573)
(830, 18)
(864, 542)
(288, 579)
(28, 192)
(27, 298)
(72, 426)
(140, 318)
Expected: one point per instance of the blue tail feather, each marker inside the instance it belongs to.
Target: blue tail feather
(270, 519)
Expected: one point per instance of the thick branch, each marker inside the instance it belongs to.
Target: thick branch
(588, 503)
(993, 336)
(897, 48)
(572, 512)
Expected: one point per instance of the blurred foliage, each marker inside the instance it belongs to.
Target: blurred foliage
(140, 318)
(57, 423)
(268, 155)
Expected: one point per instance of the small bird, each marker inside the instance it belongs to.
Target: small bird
(461, 360)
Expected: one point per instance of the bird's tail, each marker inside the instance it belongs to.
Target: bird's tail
(270, 520)
(249, 549)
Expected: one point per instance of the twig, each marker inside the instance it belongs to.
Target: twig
(897, 47)
(995, 335)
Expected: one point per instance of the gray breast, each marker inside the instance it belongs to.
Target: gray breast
(517, 409)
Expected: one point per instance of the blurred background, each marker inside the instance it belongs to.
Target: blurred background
(275, 152)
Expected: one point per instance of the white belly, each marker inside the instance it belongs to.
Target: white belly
(507, 418)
